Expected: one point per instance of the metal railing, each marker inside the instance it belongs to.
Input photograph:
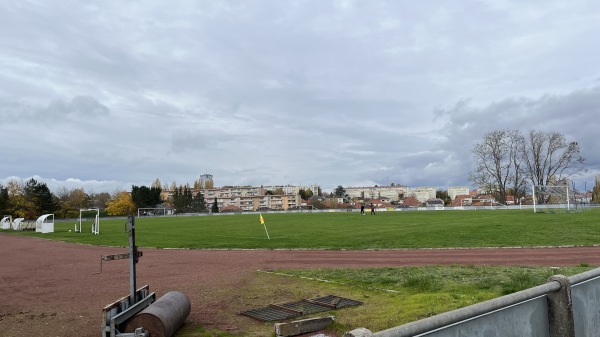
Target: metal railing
(561, 307)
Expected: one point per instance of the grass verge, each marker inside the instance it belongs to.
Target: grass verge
(391, 296)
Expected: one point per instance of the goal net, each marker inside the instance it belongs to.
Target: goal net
(553, 199)
(152, 211)
(88, 217)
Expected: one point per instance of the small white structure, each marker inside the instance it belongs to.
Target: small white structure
(95, 223)
(16, 225)
(6, 222)
(43, 224)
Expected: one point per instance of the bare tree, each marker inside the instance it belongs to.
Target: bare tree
(497, 163)
(596, 189)
(100, 200)
(156, 183)
(518, 178)
(549, 158)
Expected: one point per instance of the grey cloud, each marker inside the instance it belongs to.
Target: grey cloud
(81, 106)
(322, 92)
(190, 142)
(571, 114)
(566, 113)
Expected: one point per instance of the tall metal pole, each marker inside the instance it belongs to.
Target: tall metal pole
(534, 200)
(568, 201)
(133, 258)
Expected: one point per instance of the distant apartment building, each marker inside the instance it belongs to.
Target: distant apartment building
(260, 202)
(246, 198)
(422, 193)
(290, 189)
(250, 198)
(457, 190)
(232, 191)
(393, 193)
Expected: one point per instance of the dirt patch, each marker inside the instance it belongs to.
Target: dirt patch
(51, 288)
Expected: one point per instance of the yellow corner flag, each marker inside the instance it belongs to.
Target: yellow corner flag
(262, 222)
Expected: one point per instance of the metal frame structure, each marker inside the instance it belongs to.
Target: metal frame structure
(42, 224)
(117, 313)
(95, 225)
(565, 204)
(152, 208)
(16, 225)
(6, 222)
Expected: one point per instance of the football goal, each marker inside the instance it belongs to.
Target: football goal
(95, 222)
(552, 199)
(152, 211)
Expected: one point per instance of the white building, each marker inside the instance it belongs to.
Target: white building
(290, 189)
(422, 193)
(391, 192)
(457, 190)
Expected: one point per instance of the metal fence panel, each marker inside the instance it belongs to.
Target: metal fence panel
(586, 308)
(523, 320)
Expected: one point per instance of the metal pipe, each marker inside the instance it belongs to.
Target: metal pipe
(584, 277)
(163, 317)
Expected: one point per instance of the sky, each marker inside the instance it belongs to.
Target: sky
(103, 95)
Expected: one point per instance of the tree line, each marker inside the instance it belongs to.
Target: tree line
(507, 162)
(31, 199)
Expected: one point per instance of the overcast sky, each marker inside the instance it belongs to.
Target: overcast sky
(106, 94)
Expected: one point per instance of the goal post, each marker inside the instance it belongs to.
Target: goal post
(95, 223)
(155, 211)
(552, 199)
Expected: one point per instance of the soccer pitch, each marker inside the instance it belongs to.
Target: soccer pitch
(346, 230)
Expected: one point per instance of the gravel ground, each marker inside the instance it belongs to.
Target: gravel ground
(50, 288)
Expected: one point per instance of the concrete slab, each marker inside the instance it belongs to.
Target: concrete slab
(303, 326)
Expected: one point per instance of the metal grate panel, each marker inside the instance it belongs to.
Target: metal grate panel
(268, 314)
(276, 312)
(305, 307)
(336, 301)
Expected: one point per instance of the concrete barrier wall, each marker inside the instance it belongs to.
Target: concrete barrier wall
(585, 293)
(562, 307)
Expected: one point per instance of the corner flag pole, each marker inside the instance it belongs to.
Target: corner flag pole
(262, 221)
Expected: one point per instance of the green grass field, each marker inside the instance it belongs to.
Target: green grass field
(345, 230)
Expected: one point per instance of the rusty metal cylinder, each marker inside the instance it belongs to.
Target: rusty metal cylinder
(163, 317)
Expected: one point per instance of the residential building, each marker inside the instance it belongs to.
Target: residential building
(510, 199)
(411, 202)
(253, 203)
(483, 200)
(457, 190)
(246, 198)
(291, 189)
(394, 193)
(232, 191)
(422, 193)
(462, 200)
